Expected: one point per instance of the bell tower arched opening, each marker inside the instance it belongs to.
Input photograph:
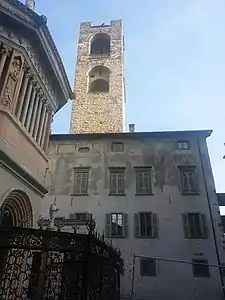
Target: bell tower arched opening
(100, 44)
(99, 79)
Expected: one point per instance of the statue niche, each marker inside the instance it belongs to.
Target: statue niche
(12, 81)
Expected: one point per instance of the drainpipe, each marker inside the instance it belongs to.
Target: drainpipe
(211, 218)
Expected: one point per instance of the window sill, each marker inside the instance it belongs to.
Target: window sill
(118, 237)
(146, 194)
(147, 237)
(75, 194)
(110, 194)
(196, 238)
(190, 193)
(99, 56)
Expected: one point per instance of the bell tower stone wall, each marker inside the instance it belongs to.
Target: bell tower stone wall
(98, 106)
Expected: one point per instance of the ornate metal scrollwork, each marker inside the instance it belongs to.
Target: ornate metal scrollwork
(43, 264)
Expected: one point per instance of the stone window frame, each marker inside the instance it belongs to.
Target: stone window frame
(114, 147)
(189, 180)
(194, 225)
(140, 176)
(183, 145)
(117, 181)
(109, 225)
(84, 173)
(200, 268)
(147, 217)
(149, 267)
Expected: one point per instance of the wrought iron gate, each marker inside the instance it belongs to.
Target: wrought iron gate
(38, 264)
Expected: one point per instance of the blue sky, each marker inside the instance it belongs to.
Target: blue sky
(174, 62)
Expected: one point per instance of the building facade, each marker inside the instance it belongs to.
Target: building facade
(153, 195)
(33, 87)
(99, 82)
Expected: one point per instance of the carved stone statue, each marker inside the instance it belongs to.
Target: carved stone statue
(12, 81)
(52, 214)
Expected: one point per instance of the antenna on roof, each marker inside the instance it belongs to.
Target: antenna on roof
(30, 4)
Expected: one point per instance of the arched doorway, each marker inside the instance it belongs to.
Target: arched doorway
(16, 210)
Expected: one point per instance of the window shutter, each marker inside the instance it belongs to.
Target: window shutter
(113, 183)
(185, 225)
(84, 182)
(107, 225)
(77, 187)
(155, 227)
(125, 225)
(136, 225)
(204, 228)
(120, 178)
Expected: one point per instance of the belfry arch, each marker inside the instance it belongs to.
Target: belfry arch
(16, 209)
(98, 79)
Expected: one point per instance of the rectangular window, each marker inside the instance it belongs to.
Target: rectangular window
(143, 181)
(117, 147)
(146, 225)
(188, 179)
(81, 177)
(117, 181)
(80, 217)
(183, 145)
(200, 268)
(148, 267)
(194, 225)
(116, 225)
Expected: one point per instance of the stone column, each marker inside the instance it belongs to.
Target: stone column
(48, 131)
(34, 114)
(31, 107)
(27, 101)
(46, 118)
(22, 94)
(4, 51)
(40, 133)
(37, 121)
(19, 87)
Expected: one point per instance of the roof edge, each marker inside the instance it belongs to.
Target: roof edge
(135, 135)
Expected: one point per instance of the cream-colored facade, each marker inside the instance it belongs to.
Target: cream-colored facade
(99, 81)
(164, 156)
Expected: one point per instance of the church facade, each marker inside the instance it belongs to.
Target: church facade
(28, 101)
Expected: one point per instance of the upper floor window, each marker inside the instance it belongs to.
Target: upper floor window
(143, 181)
(117, 181)
(194, 225)
(99, 79)
(146, 225)
(84, 149)
(188, 179)
(81, 178)
(117, 147)
(183, 145)
(116, 225)
(100, 44)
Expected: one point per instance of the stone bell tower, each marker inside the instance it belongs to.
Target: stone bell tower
(99, 84)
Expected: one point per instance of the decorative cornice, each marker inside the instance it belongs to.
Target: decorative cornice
(38, 23)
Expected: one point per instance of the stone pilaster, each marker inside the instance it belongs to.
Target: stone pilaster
(37, 121)
(22, 94)
(27, 100)
(31, 107)
(40, 133)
